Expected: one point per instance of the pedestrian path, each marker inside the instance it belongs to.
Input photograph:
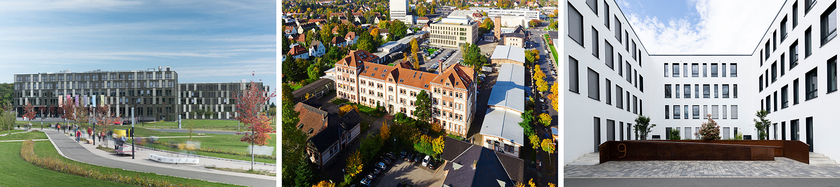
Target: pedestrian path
(781, 167)
(87, 153)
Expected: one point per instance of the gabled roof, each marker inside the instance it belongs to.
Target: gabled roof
(350, 35)
(312, 120)
(478, 166)
(453, 148)
(337, 40)
(458, 76)
(350, 120)
(329, 136)
(357, 57)
(297, 50)
(300, 38)
(315, 43)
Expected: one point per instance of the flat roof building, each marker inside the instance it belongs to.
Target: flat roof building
(508, 55)
(453, 32)
(500, 130)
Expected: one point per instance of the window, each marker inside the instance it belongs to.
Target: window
(696, 90)
(809, 4)
(828, 24)
(608, 91)
(595, 50)
(767, 50)
(676, 68)
(725, 89)
(676, 111)
(667, 112)
(617, 29)
(705, 73)
(716, 91)
(628, 77)
(634, 49)
(714, 69)
(641, 82)
(628, 101)
(796, 91)
(618, 99)
(666, 70)
(775, 101)
(620, 69)
(808, 42)
(723, 111)
(687, 91)
(783, 28)
(685, 69)
(714, 111)
(608, 50)
(593, 4)
(635, 104)
(695, 111)
(773, 72)
(677, 91)
(811, 84)
(594, 85)
(695, 70)
(795, 14)
(575, 25)
(774, 41)
(793, 52)
(733, 70)
(832, 74)
(626, 41)
(734, 91)
(667, 90)
(706, 91)
(573, 75)
(734, 112)
(784, 97)
(606, 15)
(686, 112)
(723, 70)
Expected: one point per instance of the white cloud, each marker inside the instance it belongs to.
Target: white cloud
(724, 27)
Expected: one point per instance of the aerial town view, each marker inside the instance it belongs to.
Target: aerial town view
(138, 94)
(418, 93)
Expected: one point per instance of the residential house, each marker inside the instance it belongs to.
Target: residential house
(351, 38)
(329, 134)
(472, 165)
(339, 41)
(317, 49)
(298, 51)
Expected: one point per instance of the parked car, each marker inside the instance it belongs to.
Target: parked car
(403, 184)
(426, 161)
(432, 164)
(366, 182)
(370, 177)
(390, 155)
(381, 166)
(403, 154)
(409, 157)
(376, 170)
(418, 158)
(386, 160)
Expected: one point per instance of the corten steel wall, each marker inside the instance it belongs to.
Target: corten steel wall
(703, 150)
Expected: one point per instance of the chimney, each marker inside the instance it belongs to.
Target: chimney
(497, 23)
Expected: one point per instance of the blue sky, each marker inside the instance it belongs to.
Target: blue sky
(204, 41)
(700, 26)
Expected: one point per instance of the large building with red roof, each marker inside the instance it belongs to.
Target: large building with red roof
(360, 79)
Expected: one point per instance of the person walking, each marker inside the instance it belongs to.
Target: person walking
(58, 127)
(78, 134)
(90, 133)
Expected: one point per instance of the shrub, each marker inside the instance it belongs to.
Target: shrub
(709, 130)
(675, 134)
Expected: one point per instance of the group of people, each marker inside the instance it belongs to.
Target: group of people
(78, 133)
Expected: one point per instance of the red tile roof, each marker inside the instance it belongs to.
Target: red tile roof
(297, 50)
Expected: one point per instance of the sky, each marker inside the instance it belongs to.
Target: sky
(700, 26)
(203, 41)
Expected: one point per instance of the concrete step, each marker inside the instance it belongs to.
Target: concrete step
(587, 160)
(817, 159)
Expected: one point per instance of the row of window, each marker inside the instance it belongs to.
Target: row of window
(717, 111)
(687, 133)
(706, 91)
(695, 69)
(811, 85)
(85, 85)
(53, 78)
(594, 92)
(624, 131)
(828, 30)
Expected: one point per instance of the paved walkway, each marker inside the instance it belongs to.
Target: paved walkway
(88, 153)
(780, 168)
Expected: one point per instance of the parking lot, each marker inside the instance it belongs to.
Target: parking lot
(412, 173)
(430, 63)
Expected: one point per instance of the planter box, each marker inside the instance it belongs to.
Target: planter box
(702, 150)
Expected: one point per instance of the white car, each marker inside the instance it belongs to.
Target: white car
(426, 161)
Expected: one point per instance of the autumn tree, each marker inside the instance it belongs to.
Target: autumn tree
(548, 147)
(545, 119)
(7, 116)
(29, 112)
(438, 145)
(554, 98)
(531, 183)
(355, 164)
(324, 184)
(102, 116)
(346, 108)
(249, 104)
(69, 110)
(314, 71)
(385, 131)
(414, 49)
(424, 145)
(535, 141)
(82, 116)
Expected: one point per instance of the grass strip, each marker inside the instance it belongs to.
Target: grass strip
(25, 136)
(258, 172)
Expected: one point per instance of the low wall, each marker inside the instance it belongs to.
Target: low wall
(702, 150)
(173, 160)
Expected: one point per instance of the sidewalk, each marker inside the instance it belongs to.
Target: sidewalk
(88, 153)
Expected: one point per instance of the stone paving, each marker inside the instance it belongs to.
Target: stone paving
(781, 167)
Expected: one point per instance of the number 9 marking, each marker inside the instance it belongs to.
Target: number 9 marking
(622, 150)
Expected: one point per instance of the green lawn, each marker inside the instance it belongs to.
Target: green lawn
(295, 87)
(209, 124)
(13, 131)
(553, 51)
(18, 172)
(46, 149)
(391, 64)
(215, 141)
(25, 136)
(431, 50)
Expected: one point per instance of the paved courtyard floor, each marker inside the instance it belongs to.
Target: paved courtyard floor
(780, 168)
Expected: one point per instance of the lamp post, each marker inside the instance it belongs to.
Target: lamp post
(132, 133)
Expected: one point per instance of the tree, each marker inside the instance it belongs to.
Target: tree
(545, 119)
(438, 145)
(69, 110)
(398, 30)
(424, 145)
(102, 116)
(385, 131)
(535, 141)
(709, 130)
(675, 134)
(529, 57)
(542, 86)
(382, 25)
(324, 184)
(7, 116)
(423, 109)
(190, 127)
(314, 71)
(285, 45)
(554, 98)
(355, 164)
(548, 147)
(527, 118)
(366, 42)
(249, 104)
(325, 34)
(762, 124)
(303, 174)
(531, 183)
(414, 49)
(642, 127)
(309, 36)
(29, 112)
(347, 108)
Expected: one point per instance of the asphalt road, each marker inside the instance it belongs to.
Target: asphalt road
(76, 152)
(740, 182)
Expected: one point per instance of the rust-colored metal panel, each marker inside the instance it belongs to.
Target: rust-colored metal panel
(797, 150)
(681, 150)
(778, 149)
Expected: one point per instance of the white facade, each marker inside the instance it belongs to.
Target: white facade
(398, 10)
(597, 117)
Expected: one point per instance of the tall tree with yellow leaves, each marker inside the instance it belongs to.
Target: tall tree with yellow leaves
(355, 164)
(385, 131)
(324, 184)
